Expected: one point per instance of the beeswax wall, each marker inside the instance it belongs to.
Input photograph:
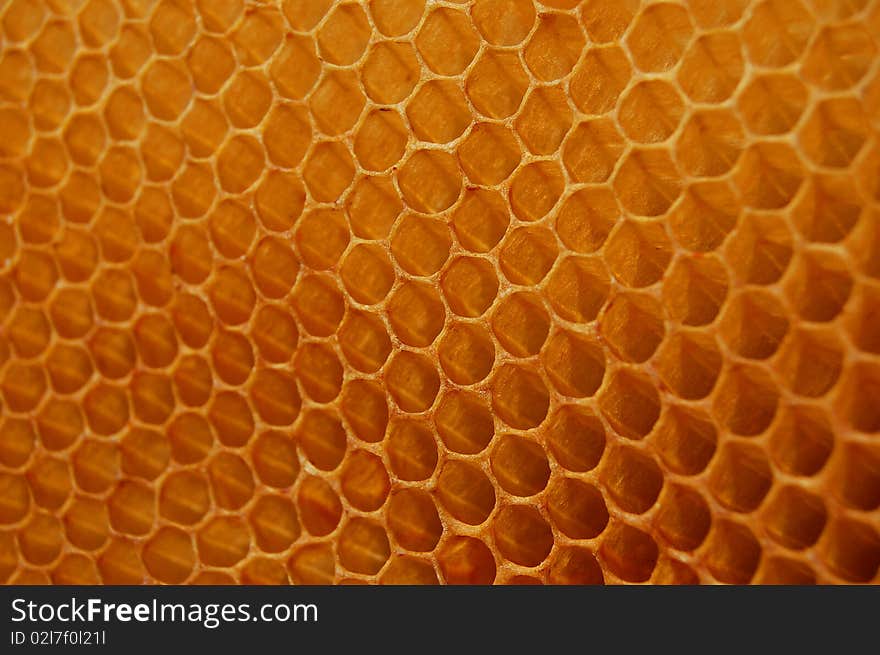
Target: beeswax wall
(417, 291)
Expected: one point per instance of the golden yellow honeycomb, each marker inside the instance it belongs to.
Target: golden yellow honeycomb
(419, 291)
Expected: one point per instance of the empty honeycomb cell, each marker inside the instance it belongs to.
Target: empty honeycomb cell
(412, 381)
(464, 422)
(521, 535)
(651, 111)
(638, 253)
(274, 523)
(95, 465)
(591, 152)
(364, 341)
(19, 442)
(381, 140)
(811, 362)
(574, 365)
(274, 396)
(364, 481)
(337, 102)
(469, 285)
(761, 250)
(274, 267)
(684, 517)
(329, 169)
(783, 571)
(363, 546)
(295, 68)
(527, 255)
(322, 438)
(544, 120)
(851, 549)
(367, 273)
(35, 274)
(16, 498)
(710, 144)
(239, 163)
(740, 477)
(659, 37)
(466, 353)
(411, 450)
(519, 396)
(497, 83)
(86, 523)
(466, 560)
(856, 399)
(754, 324)
(438, 112)
(711, 67)
(857, 477)
(145, 453)
(162, 152)
(85, 140)
(312, 564)
(628, 552)
(631, 326)
(365, 408)
(689, 364)
(319, 507)
(88, 78)
(343, 36)
(673, 572)
(834, 133)
(204, 127)
(406, 570)
(586, 218)
(413, 520)
(106, 407)
(132, 508)
(232, 357)
(632, 478)
(577, 509)
(258, 35)
(685, 440)
(169, 555)
(777, 32)
(573, 565)
(829, 209)
(646, 183)
(318, 303)
(521, 324)
(488, 155)
(520, 465)
(732, 552)
(40, 541)
(274, 459)
(822, 287)
(275, 333)
(839, 56)
(554, 47)
(184, 497)
(29, 334)
(746, 400)
(769, 175)
(232, 483)
(795, 518)
(465, 492)
(59, 423)
(219, 16)
(630, 403)
(772, 103)
(322, 236)
(286, 138)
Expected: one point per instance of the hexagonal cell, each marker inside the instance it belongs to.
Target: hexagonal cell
(575, 365)
(522, 536)
(638, 252)
(535, 189)
(732, 552)
(554, 47)
(381, 140)
(430, 181)
(365, 408)
(630, 403)
(685, 440)
(851, 549)
(416, 313)
(466, 560)
(438, 112)
(856, 477)
(519, 396)
(527, 255)
(405, 570)
(447, 41)
(647, 183)
(746, 400)
(586, 218)
(740, 476)
(321, 436)
(411, 449)
(544, 121)
(835, 132)
(465, 492)
(754, 324)
(469, 285)
(363, 546)
(519, 16)
(684, 517)
(772, 103)
(396, 17)
(520, 465)
(821, 287)
(413, 520)
(712, 67)
(840, 56)
(659, 36)
(497, 83)
(777, 32)
(343, 36)
(795, 518)
(690, 363)
(628, 553)
(464, 422)
(592, 151)
(811, 362)
(650, 111)
(337, 102)
(769, 175)
(488, 155)
(466, 353)
(372, 206)
(710, 143)
(602, 76)
(695, 289)
(481, 219)
(313, 564)
(761, 249)
(632, 326)
(577, 509)
(578, 288)
(632, 478)
(856, 397)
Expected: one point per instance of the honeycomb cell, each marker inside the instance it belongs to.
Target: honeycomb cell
(319, 506)
(577, 509)
(413, 520)
(466, 560)
(363, 546)
(522, 536)
(322, 438)
(519, 396)
(628, 552)
(520, 465)
(463, 422)
(659, 37)
(554, 47)
(447, 41)
(412, 450)
(630, 403)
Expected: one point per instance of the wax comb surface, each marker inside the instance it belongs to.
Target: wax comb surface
(405, 291)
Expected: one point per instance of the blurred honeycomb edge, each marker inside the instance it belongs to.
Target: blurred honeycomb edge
(417, 291)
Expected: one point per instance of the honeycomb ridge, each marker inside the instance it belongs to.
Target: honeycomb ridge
(420, 291)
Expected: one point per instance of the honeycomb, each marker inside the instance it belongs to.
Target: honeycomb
(460, 291)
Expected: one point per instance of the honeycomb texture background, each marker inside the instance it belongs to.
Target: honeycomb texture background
(405, 291)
